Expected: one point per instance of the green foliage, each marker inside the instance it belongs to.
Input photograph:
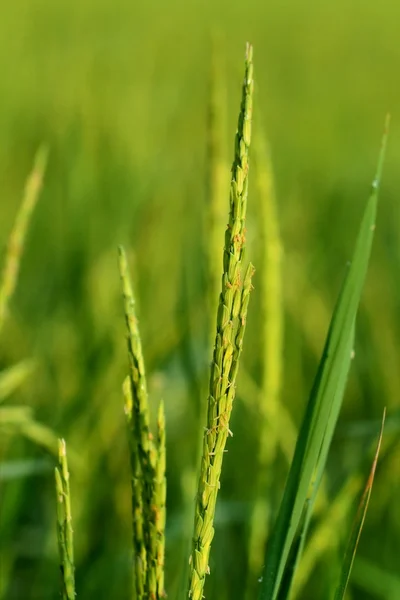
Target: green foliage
(322, 412)
(120, 92)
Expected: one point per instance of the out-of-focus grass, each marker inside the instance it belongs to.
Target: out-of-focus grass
(119, 92)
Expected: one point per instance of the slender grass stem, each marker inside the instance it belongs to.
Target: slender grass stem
(160, 501)
(139, 547)
(64, 526)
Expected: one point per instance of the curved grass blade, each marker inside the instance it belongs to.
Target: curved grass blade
(17, 469)
(358, 524)
(293, 559)
(19, 420)
(40, 434)
(17, 237)
(301, 534)
(13, 377)
(324, 403)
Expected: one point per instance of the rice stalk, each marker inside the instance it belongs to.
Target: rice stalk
(64, 525)
(160, 497)
(139, 547)
(231, 322)
(147, 460)
(17, 237)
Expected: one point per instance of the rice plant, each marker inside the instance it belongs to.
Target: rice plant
(231, 322)
(147, 461)
(147, 451)
(282, 549)
(65, 534)
(288, 537)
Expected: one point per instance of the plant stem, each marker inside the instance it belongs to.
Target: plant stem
(64, 526)
(160, 500)
(139, 547)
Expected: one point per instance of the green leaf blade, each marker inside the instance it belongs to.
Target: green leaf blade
(324, 402)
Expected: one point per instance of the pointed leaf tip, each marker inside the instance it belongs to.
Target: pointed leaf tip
(382, 152)
(249, 51)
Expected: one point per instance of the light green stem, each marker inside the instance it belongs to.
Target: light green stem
(64, 526)
(160, 488)
(139, 547)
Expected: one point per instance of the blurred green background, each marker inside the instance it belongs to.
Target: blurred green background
(119, 91)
